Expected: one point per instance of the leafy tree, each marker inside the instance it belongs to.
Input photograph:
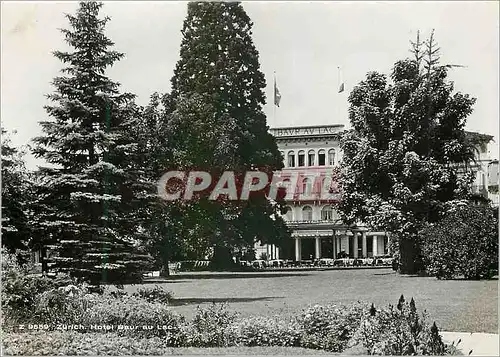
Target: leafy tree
(217, 118)
(463, 244)
(15, 197)
(161, 222)
(86, 197)
(407, 154)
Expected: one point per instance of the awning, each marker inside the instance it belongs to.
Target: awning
(312, 234)
(323, 233)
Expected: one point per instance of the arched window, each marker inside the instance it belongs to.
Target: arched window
(306, 187)
(329, 185)
(321, 158)
(286, 184)
(307, 213)
(310, 158)
(325, 183)
(291, 159)
(302, 158)
(289, 214)
(331, 157)
(327, 213)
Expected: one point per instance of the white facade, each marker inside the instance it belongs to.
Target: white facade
(311, 154)
(486, 174)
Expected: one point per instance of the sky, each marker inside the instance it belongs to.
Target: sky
(304, 43)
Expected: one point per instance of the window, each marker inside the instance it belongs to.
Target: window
(286, 184)
(331, 157)
(321, 157)
(307, 187)
(291, 159)
(289, 214)
(307, 213)
(325, 187)
(310, 156)
(327, 213)
(302, 158)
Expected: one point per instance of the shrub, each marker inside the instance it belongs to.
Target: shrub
(126, 315)
(20, 290)
(463, 244)
(70, 343)
(209, 327)
(156, 294)
(117, 293)
(265, 331)
(64, 305)
(395, 330)
(330, 327)
(398, 331)
(143, 318)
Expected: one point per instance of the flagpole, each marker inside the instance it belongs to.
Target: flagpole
(274, 98)
(338, 102)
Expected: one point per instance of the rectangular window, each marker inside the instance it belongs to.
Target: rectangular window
(302, 159)
(321, 159)
(291, 161)
(311, 159)
(331, 159)
(326, 215)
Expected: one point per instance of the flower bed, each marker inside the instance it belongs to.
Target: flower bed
(74, 321)
(124, 322)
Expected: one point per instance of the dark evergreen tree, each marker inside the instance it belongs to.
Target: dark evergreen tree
(88, 194)
(407, 154)
(218, 96)
(16, 189)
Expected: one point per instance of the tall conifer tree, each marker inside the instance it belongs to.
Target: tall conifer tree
(218, 81)
(88, 194)
(16, 189)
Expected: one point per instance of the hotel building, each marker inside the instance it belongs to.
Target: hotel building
(311, 155)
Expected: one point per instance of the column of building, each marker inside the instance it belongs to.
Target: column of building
(363, 245)
(355, 244)
(317, 250)
(298, 249)
(339, 245)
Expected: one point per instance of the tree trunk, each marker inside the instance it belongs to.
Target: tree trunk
(165, 270)
(43, 259)
(409, 256)
(222, 258)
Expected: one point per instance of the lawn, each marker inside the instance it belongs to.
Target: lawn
(464, 306)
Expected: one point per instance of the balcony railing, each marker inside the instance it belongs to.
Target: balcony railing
(314, 196)
(314, 221)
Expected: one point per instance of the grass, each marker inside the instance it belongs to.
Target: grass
(461, 306)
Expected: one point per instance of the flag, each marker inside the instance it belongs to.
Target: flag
(277, 94)
(341, 82)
